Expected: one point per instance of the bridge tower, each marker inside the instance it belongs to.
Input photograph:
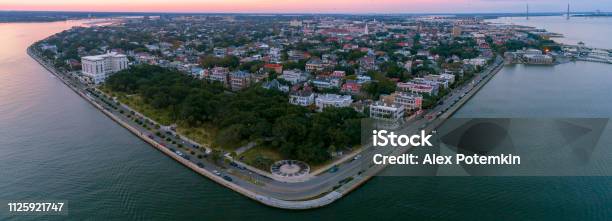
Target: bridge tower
(527, 14)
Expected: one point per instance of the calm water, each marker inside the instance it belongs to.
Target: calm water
(594, 31)
(54, 145)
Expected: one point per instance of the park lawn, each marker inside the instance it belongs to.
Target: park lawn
(203, 134)
(135, 102)
(250, 156)
(162, 116)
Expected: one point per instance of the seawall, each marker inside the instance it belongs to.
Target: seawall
(269, 201)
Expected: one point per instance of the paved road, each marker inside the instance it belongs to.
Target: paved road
(314, 187)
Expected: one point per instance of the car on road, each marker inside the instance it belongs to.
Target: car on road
(216, 173)
(357, 157)
(227, 178)
(333, 169)
(200, 164)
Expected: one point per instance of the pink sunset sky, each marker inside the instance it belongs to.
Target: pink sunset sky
(306, 6)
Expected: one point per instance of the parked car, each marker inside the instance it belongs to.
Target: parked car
(227, 178)
(216, 173)
(200, 165)
(178, 153)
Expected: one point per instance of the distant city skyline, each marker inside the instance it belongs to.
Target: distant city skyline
(308, 6)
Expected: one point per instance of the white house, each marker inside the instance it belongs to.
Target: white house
(302, 98)
(475, 61)
(387, 112)
(332, 100)
(294, 76)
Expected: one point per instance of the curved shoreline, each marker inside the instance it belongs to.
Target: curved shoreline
(324, 199)
(269, 201)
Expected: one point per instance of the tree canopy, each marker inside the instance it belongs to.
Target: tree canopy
(253, 114)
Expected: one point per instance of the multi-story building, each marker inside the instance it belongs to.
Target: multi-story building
(538, 59)
(338, 74)
(448, 77)
(387, 112)
(529, 56)
(326, 83)
(275, 55)
(443, 79)
(417, 87)
(294, 76)
(295, 55)
(303, 98)
(368, 63)
(456, 32)
(295, 23)
(409, 101)
(276, 85)
(351, 87)
(314, 65)
(277, 68)
(476, 61)
(220, 52)
(362, 79)
(219, 74)
(239, 80)
(99, 67)
(332, 100)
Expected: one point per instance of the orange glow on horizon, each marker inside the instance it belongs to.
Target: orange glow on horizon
(238, 6)
(302, 6)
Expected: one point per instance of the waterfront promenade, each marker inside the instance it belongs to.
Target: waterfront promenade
(266, 200)
(319, 191)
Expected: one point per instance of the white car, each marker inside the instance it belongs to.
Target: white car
(178, 153)
(216, 173)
